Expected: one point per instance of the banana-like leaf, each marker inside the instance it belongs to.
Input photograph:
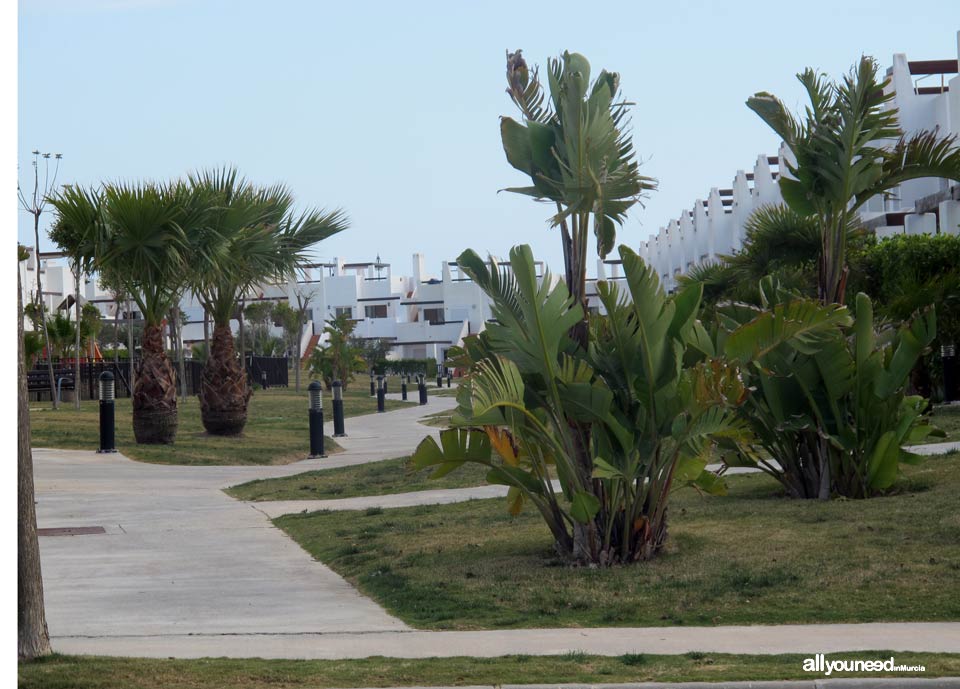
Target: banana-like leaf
(710, 483)
(515, 500)
(514, 476)
(584, 507)
(458, 445)
(802, 324)
(914, 338)
(882, 465)
(603, 469)
(516, 144)
(586, 402)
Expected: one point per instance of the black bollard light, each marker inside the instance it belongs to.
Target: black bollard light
(948, 359)
(338, 431)
(439, 377)
(315, 393)
(373, 385)
(107, 412)
(380, 394)
(263, 380)
(385, 381)
(449, 379)
(423, 391)
(403, 389)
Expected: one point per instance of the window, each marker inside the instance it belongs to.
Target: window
(344, 311)
(375, 310)
(433, 316)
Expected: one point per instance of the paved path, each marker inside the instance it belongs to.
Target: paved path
(935, 448)
(822, 638)
(181, 557)
(183, 570)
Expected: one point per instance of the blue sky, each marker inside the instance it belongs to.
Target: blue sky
(390, 110)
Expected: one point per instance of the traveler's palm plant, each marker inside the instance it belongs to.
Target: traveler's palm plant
(647, 402)
(848, 148)
(577, 151)
(829, 413)
(254, 236)
(778, 241)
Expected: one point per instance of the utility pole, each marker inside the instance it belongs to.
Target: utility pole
(35, 205)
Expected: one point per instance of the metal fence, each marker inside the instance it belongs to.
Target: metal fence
(272, 370)
(275, 369)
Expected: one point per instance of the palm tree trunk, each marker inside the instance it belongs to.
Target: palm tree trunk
(116, 333)
(176, 337)
(76, 366)
(131, 381)
(206, 333)
(33, 639)
(243, 348)
(224, 389)
(155, 392)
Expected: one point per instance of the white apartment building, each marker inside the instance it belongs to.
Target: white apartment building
(927, 95)
(421, 314)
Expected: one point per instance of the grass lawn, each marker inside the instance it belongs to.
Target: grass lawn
(88, 672)
(752, 557)
(276, 432)
(375, 478)
(947, 418)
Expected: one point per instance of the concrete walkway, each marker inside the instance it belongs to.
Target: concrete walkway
(815, 638)
(183, 570)
(178, 556)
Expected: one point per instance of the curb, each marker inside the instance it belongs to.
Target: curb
(850, 683)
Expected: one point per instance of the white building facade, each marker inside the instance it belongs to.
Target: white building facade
(421, 314)
(927, 95)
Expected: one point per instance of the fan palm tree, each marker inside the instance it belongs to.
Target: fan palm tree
(848, 148)
(254, 236)
(138, 235)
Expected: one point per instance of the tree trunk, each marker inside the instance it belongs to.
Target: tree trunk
(133, 374)
(224, 388)
(43, 311)
(243, 343)
(206, 333)
(76, 365)
(176, 335)
(155, 392)
(33, 640)
(116, 333)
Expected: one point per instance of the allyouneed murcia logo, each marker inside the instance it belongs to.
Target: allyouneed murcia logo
(820, 664)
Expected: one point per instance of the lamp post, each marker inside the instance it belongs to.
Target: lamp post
(315, 394)
(422, 388)
(107, 413)
(381, 395)
(338, 431)
(948, 358)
